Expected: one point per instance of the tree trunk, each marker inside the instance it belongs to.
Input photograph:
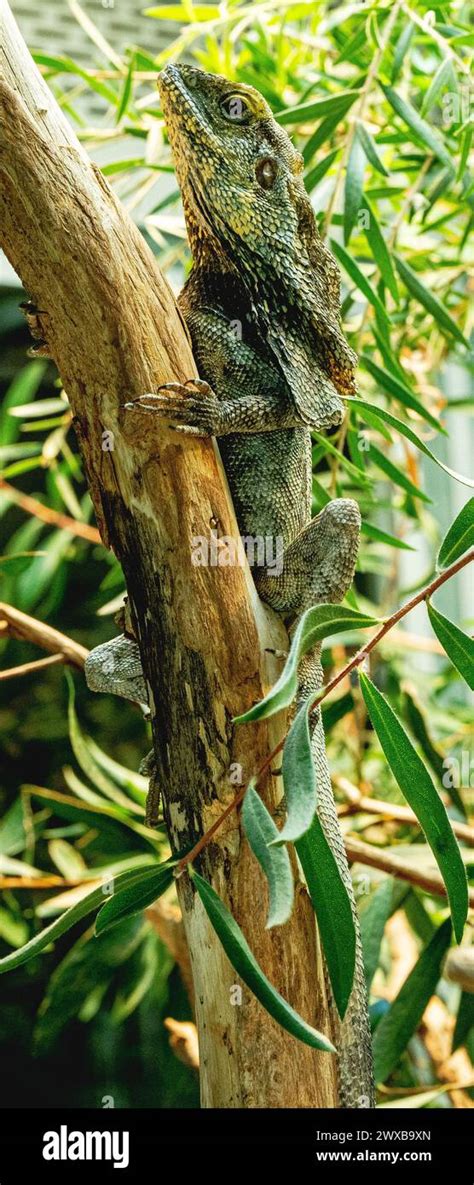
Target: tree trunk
(113, 329)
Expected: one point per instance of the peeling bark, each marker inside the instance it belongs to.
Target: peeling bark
(114, 332)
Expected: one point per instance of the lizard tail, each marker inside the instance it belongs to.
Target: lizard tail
(352, 1038)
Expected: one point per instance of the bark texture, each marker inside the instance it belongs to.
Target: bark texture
(114, 332)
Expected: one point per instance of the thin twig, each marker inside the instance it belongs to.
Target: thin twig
(28, 668)
(47, 515)
(358, 802)
(29, 629)
(395, 865)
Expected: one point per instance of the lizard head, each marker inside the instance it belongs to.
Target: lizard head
(232, 160)
(244, 199)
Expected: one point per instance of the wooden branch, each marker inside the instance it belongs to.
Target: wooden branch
(29, 629)
(395, 865)
(361, 803)
(47, 515)
(112, 327)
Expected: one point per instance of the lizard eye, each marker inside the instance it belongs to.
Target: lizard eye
(236, 108)
(266, 172)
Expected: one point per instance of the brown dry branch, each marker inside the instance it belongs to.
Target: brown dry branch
(47, 515)
(361, 803)
(28, 629)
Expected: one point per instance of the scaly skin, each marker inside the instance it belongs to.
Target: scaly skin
(263, 311)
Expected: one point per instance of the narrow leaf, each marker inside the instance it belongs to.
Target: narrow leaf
(90, 902)
(320, 107)
(419, 728)
(359, 279)
(261, 832)
(373, 414)
(385, 537)
(319, 171)
(403, 1017)
(392, 384)
(422, 130)
(126, 91)
(354, 185)
(244, 963)
(298, 778)
(317, 623)
(396, 475)
(464, 1020)
(148, 885)
(370, 148)
(374, 916)
(380, 251)
(443, 77)
(416, 785)
(401, 49)
(458, 646)
(429, 301)
(332, 908)
(459, 538)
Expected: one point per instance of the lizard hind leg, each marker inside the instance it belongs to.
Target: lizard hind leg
(318, 565)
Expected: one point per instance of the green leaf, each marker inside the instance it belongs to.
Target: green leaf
(84, 756)
(396, 475)
(464, 1020)
(465, 150)
(64, 65)
(403, 1017)
(109, 818)
(429, 301)
(459, 646)
(67, 859)
(354, 186)
(416, 785)
(419, 728)
(126, 91)
(373, 413)
(148, 885)
(359, 279)
(317, 623)
(401, 48)
(333, 910)
(384, 537)
(392, 384)
(374, 916)
(459, 538)
(422, 130)
(315, 175)
(244, 963)
(298, 777)
(370, 148)
(335, 104)
(444, 76)
(261, 832)
(322, 133)
(380, 251)
(90, 902)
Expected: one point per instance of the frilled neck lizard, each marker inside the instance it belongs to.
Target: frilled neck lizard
(262, 307)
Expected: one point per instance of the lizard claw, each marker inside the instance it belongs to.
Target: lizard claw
(184, 408)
